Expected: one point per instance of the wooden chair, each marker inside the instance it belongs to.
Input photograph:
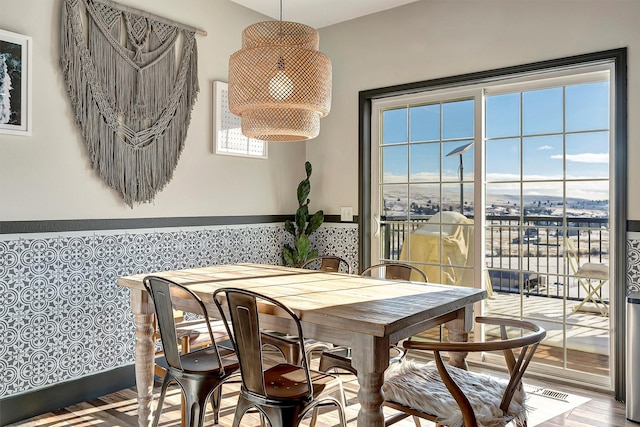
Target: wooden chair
(421, 390)
(284, 393)
(329, 263)
(340, 357)
(199, 373)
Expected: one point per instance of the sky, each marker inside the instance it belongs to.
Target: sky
(532, 123)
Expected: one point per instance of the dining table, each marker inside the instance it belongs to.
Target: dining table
(368, 314)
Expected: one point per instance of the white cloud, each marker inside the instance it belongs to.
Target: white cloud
(545, 147)
(585, 157)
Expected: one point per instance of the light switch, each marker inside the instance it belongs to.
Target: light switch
(346, 213)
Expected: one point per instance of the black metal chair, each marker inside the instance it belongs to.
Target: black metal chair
(328, 263)
(199, 373)
(284, 393)
(288, 345)
(340, 357)
(395, 271)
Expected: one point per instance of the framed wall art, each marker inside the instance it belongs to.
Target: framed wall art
(15, 83)
(227, 133)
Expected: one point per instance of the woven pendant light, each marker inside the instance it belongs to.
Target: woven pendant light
(279, 83)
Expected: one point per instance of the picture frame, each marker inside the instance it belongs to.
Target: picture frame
(15, 83)
(227, 133)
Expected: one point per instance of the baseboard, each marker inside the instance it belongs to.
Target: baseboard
(31, 404)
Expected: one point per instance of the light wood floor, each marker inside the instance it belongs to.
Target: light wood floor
(119, 409)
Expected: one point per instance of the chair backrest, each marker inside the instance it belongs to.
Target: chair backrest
(164, 293)
(329, 263)
(243, 326)
(518, 352)
(395, 271)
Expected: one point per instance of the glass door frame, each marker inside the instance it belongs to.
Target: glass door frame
(619, 165)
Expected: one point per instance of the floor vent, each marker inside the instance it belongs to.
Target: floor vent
(541, 391)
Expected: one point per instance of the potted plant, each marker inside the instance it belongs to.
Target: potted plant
(302, 227)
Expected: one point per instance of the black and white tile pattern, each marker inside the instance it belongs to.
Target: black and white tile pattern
(633, 262)
(62, 316)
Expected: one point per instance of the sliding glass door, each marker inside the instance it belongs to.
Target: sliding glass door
(506, 186)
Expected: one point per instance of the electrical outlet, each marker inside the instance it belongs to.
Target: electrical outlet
(346, 213)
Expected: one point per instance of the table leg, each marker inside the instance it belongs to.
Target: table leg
(458, 330)
(370, 358)
(144, 352)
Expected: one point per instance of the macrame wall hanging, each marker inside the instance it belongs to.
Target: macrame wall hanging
(132, 100)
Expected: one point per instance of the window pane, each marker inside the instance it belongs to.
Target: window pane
(588, 155)
(424, 199)
(502, 115)
(451, 160)
(542, 157)
(451, 196)
(502, 162)
(425, 162)
(588, 198)
(457, 119)
(394, 164)
(542, 111)
(425, 123)
(503, 199)
(394, 201)
(587, 106)
(394, 126)
(542, 198)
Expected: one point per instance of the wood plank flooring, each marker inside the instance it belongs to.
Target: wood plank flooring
(119, 409)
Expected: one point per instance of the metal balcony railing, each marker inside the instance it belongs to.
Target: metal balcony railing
(529, 254)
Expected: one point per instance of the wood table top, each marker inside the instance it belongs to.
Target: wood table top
(348, 302)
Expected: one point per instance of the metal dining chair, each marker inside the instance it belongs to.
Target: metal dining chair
(288, 345)
(340, 357)
(283, 393)
(199, 373)
(328, 263)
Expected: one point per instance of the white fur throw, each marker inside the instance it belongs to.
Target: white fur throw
(420, 387)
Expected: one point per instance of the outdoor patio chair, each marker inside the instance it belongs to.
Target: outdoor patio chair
(284, 393)
(451, 396)
(591, 276)
(199, 373)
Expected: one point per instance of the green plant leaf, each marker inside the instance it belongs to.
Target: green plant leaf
(313, 254)
(289, 256)
(315, 222)
(303, 191)
(301, 218)
(307, 168)
(289, 227)
(303, 245)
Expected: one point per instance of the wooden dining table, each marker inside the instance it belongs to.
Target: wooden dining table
(367, 314)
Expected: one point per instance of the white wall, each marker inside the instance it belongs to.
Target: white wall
(439, 38)
(48, 175)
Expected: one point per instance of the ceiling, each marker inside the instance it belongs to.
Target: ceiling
(320, 13)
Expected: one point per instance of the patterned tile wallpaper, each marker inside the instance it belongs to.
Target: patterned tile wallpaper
(63, 317)
(633, 260)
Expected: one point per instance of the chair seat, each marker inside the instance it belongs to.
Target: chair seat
(285, 381)
(205, 360)
(420, 387)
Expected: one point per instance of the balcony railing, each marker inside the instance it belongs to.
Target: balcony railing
(529, 254)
